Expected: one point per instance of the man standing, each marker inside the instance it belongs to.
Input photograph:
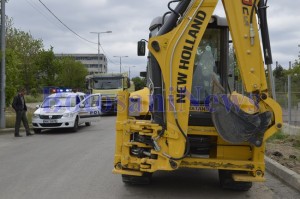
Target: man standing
(20, 107)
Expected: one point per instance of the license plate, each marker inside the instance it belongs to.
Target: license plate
(107, 104)
(49, 121)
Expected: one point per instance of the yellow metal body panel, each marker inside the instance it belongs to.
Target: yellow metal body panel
(249, 57)
(108, 92)
(144, 97)
(176, 46)
(244, 103)
(247, 178)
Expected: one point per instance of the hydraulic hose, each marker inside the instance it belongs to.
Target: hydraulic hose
(172, 20)
(262, 11)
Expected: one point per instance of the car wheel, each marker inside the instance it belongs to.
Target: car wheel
(88, 124)
(75, 127)
(37, 131)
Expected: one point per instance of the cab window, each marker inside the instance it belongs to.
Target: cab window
(208, 54)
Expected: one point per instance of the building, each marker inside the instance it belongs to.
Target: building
(90, 61)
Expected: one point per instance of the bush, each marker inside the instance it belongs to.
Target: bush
(33, 99)
(279, 135)
(34, 92)
(10, 92)
(296, 141)
(10, 118)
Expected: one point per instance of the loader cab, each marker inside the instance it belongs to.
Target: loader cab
(153, 71)
(211, 61)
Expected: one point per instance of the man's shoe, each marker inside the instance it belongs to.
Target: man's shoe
(29, 134)
(18, 136)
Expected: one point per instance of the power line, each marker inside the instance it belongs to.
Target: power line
(76, 33)
(36, 7)
(107, 56)
(65, 24)
(33, 5)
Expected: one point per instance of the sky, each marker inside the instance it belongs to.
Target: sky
(129, 21)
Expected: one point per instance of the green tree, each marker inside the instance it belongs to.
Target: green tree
(139, 83)
(12, 70)
(12, 74)
(48, 68)
(280, 75)
(27, 49)
(72, 73)
(278, 72)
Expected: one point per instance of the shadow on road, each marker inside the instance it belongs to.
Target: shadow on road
(185, 183)
(63, 131)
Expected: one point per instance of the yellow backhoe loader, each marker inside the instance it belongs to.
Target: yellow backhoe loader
(208, 103)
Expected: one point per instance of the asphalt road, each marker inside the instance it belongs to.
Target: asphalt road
(66, 165)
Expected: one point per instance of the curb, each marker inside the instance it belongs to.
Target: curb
(283, 173)
(12, 130)
(7, 130)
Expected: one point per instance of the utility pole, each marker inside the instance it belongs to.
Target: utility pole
(121, 62)
(98, 44)
(2, 73)
(289, 100)
(129, 72)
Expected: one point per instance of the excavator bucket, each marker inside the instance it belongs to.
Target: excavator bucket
(232, 123)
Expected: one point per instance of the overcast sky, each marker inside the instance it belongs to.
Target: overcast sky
(129, 21)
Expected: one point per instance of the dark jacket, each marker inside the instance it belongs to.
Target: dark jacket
(17, 103)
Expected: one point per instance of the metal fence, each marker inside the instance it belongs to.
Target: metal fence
(288, 96)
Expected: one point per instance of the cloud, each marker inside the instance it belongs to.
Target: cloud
(129, 22)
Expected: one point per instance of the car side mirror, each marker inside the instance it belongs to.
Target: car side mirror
(143, 74)
(37, 106)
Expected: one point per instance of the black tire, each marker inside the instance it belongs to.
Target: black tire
(227, 182)
(75, 127)
(37, 131)
(88, 124)
(145, 179)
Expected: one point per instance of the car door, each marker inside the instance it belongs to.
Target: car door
(90, 108)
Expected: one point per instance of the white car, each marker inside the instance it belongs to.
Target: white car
(67, 110)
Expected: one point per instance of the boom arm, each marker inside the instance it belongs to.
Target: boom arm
(247, 43)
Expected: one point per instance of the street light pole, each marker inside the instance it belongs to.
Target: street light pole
(2, 67)
(129, 71)
(98, 44)
(120, 62)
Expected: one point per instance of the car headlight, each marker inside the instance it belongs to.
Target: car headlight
(68, 115)
(36, 115)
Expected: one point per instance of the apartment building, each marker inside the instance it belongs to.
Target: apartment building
(94, 63)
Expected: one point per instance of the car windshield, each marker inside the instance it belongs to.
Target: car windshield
(108, 83)
(60, 102)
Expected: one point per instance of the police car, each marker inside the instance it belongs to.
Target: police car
(67, 110)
